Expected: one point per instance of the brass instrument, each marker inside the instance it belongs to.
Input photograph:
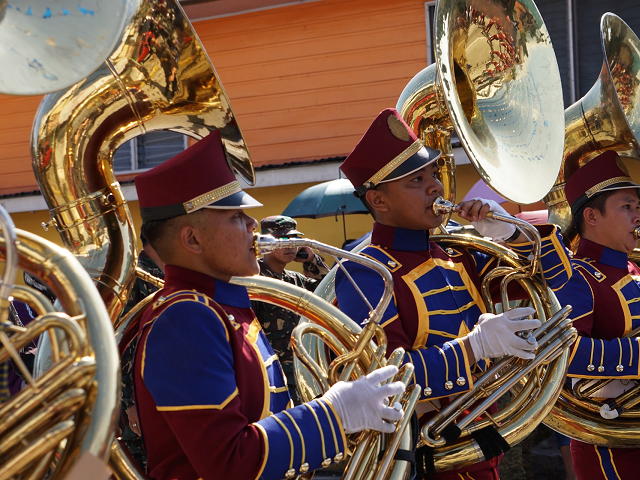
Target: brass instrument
(159, 77)
(359, 351)
(605, 118)
(535, 387)
(70, 409)
(497, 84)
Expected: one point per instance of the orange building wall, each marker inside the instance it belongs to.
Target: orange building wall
(305, 80)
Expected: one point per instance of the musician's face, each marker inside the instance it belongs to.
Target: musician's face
(407, 202)
(621, 216)
(226, 243)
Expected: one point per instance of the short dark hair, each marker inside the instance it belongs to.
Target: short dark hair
(158, 232)
(597, 203)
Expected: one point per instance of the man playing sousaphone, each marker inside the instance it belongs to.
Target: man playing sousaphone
(211, 395)
(603, 287)
(437, 315)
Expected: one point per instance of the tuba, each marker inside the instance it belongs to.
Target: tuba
(606, 118)
(70, 410)
(496, 84)
(157, 77)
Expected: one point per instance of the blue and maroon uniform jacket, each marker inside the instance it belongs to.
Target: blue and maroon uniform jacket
(211, 396)
(603, 288)
(436, 300)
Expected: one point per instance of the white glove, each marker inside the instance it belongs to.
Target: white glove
(361, 404)
(495, 335)
(494, 229)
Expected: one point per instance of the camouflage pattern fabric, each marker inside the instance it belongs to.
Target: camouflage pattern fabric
(278, 323)
(138, 293)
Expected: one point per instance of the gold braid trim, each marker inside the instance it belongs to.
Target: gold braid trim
(596, 188)
(210, 197)
(395, 163)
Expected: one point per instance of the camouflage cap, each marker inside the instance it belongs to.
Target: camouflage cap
(279, 226)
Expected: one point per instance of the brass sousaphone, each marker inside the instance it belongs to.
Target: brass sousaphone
(159, 77)
(606, 118)
(496, 84)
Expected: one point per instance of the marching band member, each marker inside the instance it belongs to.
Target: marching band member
(603, 287)
(437, 315)
(210, 392)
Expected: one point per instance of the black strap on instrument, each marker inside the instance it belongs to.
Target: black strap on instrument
(490, 442)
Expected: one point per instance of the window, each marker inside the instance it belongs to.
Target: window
(147, 151)
(430, 16)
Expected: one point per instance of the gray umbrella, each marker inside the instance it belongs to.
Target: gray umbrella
(325, 200)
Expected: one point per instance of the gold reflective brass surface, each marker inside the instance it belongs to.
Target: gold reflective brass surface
(496, 84)
(538, 388)
(358, 351)
(74, 399)
(606, 118)
(159, 77)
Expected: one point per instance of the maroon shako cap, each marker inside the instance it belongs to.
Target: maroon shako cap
(199, 177)
(388, 150)
(604, 173)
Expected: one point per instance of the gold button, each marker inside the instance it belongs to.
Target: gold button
(231, 318)
(392, 264)
(326, 462)
(290, 473)
(619, 368)
(338, 457)
(591, 368)
(449, 251)
(598, 274)
(427, 392)
(461, 381)
(448, 385)
(304, 468)
(600, 369)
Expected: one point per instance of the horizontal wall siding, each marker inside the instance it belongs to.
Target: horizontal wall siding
(16, 117)
(307, 80)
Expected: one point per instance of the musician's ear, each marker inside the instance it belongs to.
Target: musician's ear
(590, 216)
(189, 238)
(377, 200)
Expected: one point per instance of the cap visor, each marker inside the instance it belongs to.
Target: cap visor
(238, 200)
(423, 157)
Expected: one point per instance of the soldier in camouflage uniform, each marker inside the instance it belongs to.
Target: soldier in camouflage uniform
(277, 322)
(147, 260)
